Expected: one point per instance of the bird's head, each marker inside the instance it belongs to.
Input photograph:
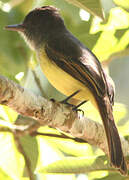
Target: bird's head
(39, 24)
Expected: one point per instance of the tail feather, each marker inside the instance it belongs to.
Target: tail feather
(113, 139)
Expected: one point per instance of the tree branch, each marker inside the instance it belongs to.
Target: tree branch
(53, 114)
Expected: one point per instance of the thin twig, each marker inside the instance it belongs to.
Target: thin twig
(58, 136)
(5, 129)
(37, 80)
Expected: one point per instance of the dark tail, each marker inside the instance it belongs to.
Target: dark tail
(113, 139)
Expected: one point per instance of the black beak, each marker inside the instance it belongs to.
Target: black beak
(15, 27)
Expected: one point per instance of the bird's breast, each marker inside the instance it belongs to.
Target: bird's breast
(61, 80)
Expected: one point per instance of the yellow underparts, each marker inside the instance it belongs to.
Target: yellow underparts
(62, 81)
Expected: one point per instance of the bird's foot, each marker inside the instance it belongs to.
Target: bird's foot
(65, 101)
(75, 108)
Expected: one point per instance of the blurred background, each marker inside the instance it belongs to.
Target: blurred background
(109, 40)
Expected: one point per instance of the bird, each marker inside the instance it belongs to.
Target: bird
(71, 67)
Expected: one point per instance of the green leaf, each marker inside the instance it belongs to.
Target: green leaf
(111, 41)
(12, 115)
(122, 3)
(4, 175)
(77, 165)
(124, 128)
(11, 161)
(92, 6)
(30, 147)
(48, 153)
(118, 20)
(119, 111)
(70, 147)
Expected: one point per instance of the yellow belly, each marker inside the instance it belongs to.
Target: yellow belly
(62, 81)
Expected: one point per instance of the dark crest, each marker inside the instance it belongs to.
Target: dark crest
(40, 13)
